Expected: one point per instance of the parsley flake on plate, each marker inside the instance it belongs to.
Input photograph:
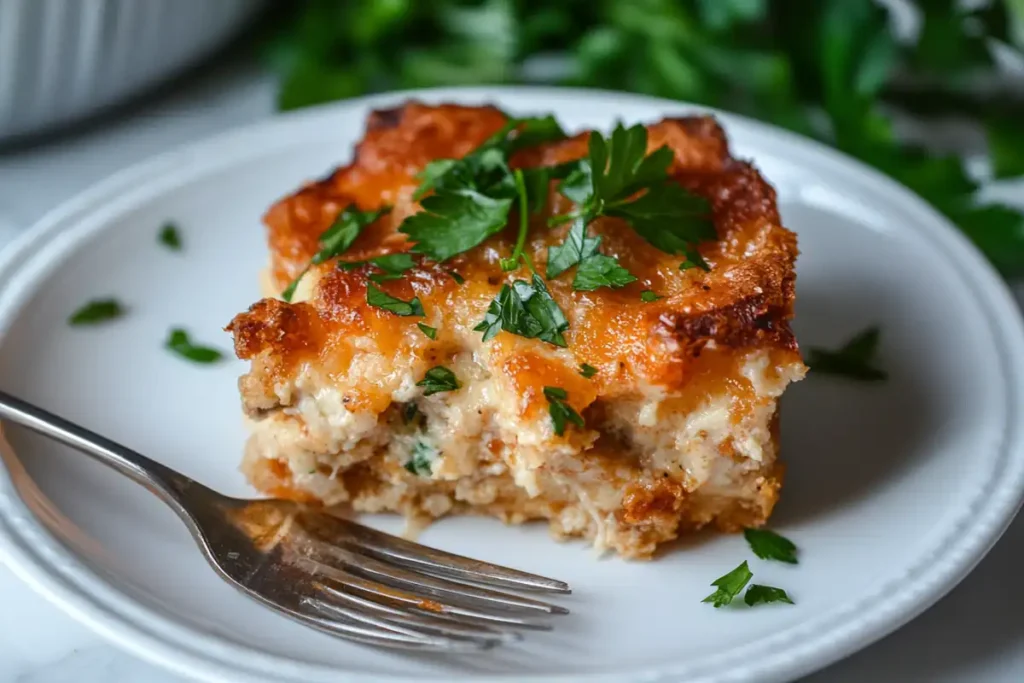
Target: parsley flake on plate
(760, 595)
(561, 412)
(97, 311)
(729, 586)
(384, 301)
(647, 296)
(336, 240)
(526, 309)
(769, 545)
(178, 341)
(169, 237)
(855, 359)
(587, 370)
(438, 379)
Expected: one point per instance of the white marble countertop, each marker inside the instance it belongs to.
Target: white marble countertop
(975, 634)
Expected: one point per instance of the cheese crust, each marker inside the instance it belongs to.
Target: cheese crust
(681, 416)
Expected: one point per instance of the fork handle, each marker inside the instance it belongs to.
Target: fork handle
(160, 479)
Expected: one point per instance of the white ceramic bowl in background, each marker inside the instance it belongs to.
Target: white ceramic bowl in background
(64, 59)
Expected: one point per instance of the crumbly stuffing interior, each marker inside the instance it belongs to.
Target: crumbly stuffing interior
(681, 416)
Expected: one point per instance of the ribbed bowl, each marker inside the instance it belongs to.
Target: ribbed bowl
(64, 59)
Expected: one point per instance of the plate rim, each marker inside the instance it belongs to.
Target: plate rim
(993, 508)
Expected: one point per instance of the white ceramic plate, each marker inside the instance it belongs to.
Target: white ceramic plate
(894, 492)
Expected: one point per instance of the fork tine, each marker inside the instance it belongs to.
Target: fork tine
(438, 562)
(390, 595)
(423, 583)
(333, 609)
(431, 625)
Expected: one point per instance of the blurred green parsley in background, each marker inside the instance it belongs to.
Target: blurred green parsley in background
(830, 69)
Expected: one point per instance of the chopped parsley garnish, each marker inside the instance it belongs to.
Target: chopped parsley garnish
(421, 460)
(438, 379)
(576, 247)
(512, 262)
(472, 196)
(855, 359)
(336, 240)
(769, 545)
(758, 595)
(647, 296)
(169, 237)
(393, 265)
(431, 332)
(385, 301)
(599, 270)
(459, 280)
(561, 412)
(588, 371)
(619, 178)
(179, 342)
(97, 311)
(729, 586)
(526, 309)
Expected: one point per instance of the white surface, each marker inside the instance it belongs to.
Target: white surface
(61, 60)
(965, 638)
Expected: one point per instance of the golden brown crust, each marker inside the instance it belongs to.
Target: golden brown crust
(744, 302)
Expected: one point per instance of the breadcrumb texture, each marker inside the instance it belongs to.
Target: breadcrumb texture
(681, 416)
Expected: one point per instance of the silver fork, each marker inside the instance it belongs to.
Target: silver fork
(326, 572)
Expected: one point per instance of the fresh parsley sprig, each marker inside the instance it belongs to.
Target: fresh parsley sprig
(472, 197)
(619, 179)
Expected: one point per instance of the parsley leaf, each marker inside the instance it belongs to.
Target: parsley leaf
(421, 460)
(561, 412)
(598, 270)
(729, 586)
(393, 265)
(452, 223)
(769, 545)
(179, 342)
(587, 371)
(525, 309)
(669, 217)
(385, 301)
(431, 332)
(459, 280)
(758, 595)
(473, 195)
(335, 240)
(855, 359)
(576, 247)
(169, 237)
(97, 311)
(438, 379)
(647, 296)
